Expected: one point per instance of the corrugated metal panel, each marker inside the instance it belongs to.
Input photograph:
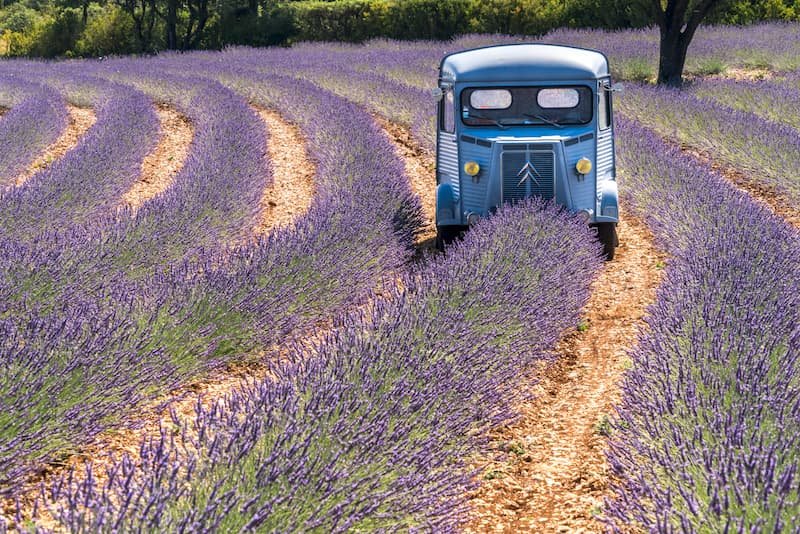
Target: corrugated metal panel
(448, 160)
(605, 153)
(528, 173)
(474, 192)
(582, 191)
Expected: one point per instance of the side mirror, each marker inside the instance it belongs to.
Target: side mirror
(437, 93)
(618, 88)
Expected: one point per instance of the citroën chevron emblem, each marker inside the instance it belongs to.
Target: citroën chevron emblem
(527, 172)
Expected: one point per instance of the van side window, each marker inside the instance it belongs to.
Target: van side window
(447, 117)
(604, 108)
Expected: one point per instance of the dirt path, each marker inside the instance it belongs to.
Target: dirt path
(779, 204)
(80, 120)
(166, 160)
(293, 173)
(548, 472)
(420, 169)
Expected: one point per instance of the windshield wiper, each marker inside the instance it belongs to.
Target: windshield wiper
(493, 121)
(544, 119)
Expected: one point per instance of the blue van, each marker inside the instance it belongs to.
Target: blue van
(524, 120)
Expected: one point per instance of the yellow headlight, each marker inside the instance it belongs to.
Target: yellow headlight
(584, 166)
(472, 168)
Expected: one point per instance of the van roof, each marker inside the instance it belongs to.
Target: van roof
(524, 62)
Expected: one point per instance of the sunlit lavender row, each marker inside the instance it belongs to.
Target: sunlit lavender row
(775, 100)
(373, 429)
(36, 117)
(762, 149)
(707, 435)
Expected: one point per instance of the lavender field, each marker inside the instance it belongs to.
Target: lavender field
(384, 368)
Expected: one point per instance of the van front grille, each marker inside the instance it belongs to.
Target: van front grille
(528, 172)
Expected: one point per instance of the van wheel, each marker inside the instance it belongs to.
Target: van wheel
(607, 235)
(446, 235)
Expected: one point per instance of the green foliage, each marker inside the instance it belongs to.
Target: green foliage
(517, 17)
(50, 28)
(343, 20)
(428, 19)
(750, 11)
(110, 32)
(271, 26)
(49, 35)
(18, 18)
(610, 14)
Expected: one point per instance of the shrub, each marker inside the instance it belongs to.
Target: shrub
(111, 32)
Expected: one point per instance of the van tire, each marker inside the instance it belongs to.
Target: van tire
(607, 235)
(446, 235)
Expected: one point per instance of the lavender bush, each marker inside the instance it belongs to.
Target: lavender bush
(374, 430)
(36, 118)
(707, 434)
(748, 142)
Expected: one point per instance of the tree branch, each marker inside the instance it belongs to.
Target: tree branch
(698, 15)
(677, 13)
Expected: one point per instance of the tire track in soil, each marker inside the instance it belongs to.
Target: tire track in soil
(547, 472)
(293, 173)
(163, 163)
(79, 122)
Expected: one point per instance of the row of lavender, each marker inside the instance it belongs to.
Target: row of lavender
(776, 99)
(764, 149)
(117, 313)
(376, 429)
(36, 118)
(108, 156)
(707, 434)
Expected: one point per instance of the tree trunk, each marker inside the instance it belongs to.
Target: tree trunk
(672, 58)
(172, 24)
(678, 22)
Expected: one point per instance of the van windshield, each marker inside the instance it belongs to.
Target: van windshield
(523, 106)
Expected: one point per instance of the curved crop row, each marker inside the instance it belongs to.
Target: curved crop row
(770, 100)
(764, 149)
(131, 337)
(88, 181)
(707, 433)
(212, 202)
(37, 117)
(338, 73)
(375, 430)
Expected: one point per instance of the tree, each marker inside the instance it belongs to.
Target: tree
(678, 21)
(171, 24)
(143, 14)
